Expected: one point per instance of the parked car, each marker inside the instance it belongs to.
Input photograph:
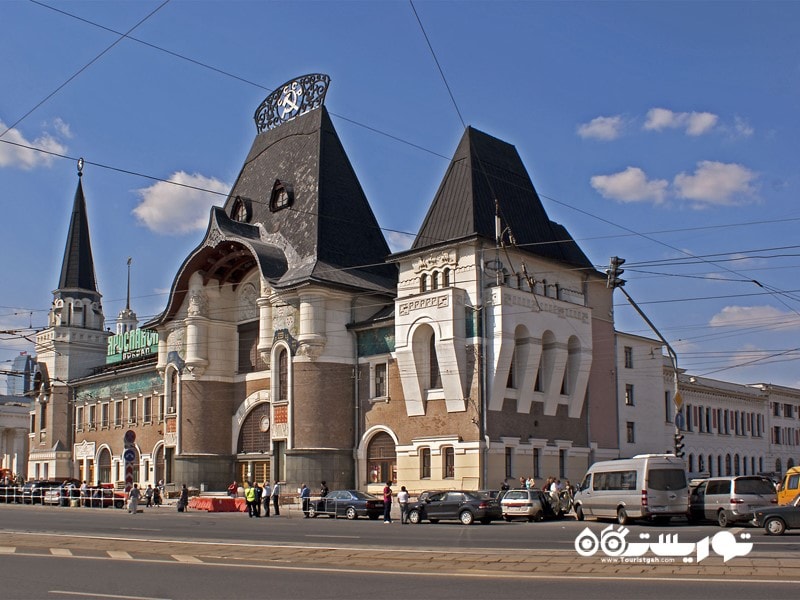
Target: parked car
(647, 486)
(347, 503)
(777, 519)
(729, 500)
(464, 506)
(789, 487)
(533, 505)
(33, 491)
(60, 495)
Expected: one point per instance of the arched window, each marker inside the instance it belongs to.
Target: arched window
(691, 463)
(423, 282)
(381, 459)
(728, 466)
(254, 434)
(789, 464)
(736, 464)
(425, 463)
(435, 280)
(446, 277)
(778, 468)
(283, 375)
(104, 466)
(701, 463)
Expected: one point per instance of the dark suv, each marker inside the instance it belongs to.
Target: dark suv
(464, 506)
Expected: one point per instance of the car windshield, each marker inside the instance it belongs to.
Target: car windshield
(363, 496)
(666, 479)
(754, 486)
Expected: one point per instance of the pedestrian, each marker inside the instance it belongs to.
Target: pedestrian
(305, 495)
(250, 498)
(276, 498)
(233, 489)
(387, 502)
(156, 497)
(323, 489)
(402, 500)
(148, 496)
(504, 486)
(257, 504)
(267, 495)
(133, 499)
(84, 493)
(183, 501)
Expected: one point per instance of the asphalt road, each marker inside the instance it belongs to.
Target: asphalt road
(48, 552)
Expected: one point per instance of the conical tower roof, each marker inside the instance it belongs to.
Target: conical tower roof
(482, 170)
(77, 269)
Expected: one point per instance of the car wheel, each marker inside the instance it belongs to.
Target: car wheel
(539, 516)
(351, 513)
(579, 513)
(774, 526)
(312, 512)
(466, 518)
(414, 517)
(723, 520)
(622, 516)
(119, 504)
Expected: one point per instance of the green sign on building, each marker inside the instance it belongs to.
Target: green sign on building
(136, 343)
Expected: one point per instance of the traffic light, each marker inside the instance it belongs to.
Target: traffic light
(613, 271)
(679, 445)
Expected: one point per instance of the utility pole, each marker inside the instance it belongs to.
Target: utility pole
(615, 282)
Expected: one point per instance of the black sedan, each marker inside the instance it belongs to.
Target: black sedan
(777, 519)
(464, 506)
(347, 503)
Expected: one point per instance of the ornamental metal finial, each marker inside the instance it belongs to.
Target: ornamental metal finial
(80, 167)
(292, 99)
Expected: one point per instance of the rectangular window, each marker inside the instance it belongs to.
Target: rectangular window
(118, 413)
(628, 394)
(147, 409)
(104, 409)
(536, 459)
(380, 390)
(628, 357)
(162, 407)
(43, 417)
(249, 357)
(449, 471)
(509, 462)
(425, 463)
(132, 410)
(33, 423)
(79, 418)
(93, 416)
(562, 463)
(630, 432)
(788, 411)
(776, 409)
(667, 407)
(689, 420)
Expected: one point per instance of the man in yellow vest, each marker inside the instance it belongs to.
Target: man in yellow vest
(250, 497)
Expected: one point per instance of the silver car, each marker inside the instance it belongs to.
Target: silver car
(524, 504)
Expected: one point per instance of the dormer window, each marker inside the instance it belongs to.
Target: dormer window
(241, 210)
(282, 196)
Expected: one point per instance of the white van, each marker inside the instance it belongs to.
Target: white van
(647, 486)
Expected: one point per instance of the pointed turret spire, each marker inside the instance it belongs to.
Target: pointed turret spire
(77, 270)
(127, 319)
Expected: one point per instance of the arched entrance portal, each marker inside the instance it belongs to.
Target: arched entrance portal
(104, 466)
(252, 449)
(381, 459)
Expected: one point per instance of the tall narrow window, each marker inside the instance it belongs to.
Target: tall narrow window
(509, 463)
(510, 382)
(449, 463)
(628, 357)
(435, 280)
(630, 432)
(446, 277)
(423, 282)
(628, 394)
(381, 459)
(536, 460)
(380, 381)
(436, 377)
(425, 463)
(147, 409)
(283, 374)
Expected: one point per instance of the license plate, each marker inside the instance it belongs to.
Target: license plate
(658, 508)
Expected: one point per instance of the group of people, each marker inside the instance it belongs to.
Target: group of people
(257, 496)
(152, 496)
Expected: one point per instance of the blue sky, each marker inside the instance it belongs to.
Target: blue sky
(665, 133)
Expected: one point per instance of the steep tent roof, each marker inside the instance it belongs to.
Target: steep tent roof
(77, 268)
(327, 228)
(482, 170)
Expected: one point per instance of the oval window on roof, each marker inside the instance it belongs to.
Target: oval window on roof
(282, 196)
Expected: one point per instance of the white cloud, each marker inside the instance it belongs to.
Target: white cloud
(765, 317)
(16, 155)
(742, 127)
(630, 185)
(716, 183)
(399, 241)
(601, 128)
(62, 128)
(694, 123)
(175, 209)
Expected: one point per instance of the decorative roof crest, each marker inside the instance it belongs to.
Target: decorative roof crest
(292, 99)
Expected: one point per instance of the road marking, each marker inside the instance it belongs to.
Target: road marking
(119, 554)
(185, 558)
(344, 537)
(85, 594)
(60, 552)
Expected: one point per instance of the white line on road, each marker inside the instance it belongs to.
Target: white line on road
(185, 558)
(344, 537)
(85, 594)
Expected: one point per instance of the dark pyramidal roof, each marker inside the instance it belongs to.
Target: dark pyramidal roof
(483, 169)
(77, 269)
(330, 230)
